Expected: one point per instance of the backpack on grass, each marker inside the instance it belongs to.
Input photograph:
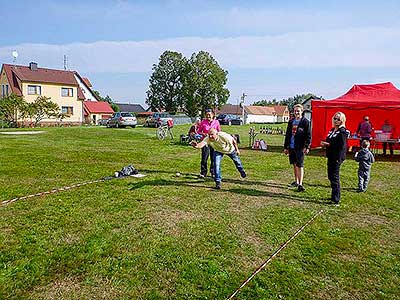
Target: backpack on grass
(127, 171)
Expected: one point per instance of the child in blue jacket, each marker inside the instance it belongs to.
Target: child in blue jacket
(365, 159)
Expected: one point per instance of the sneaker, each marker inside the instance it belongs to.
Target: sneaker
(300, 188)
(294, 183)
(218, 186)
(243, 174)
(359, 191)
(202, 176)
(333, 203)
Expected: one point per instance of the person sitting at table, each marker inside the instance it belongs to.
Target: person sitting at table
(387, 128)
(364, 130)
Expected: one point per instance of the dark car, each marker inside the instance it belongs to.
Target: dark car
(228, 119)
(122, 119)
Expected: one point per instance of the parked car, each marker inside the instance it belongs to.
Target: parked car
(102, 122)
(122, 119)
(228, 119)
(157, 119)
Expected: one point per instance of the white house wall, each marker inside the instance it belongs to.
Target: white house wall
(283, 119)
(260, 119)
(86, 92)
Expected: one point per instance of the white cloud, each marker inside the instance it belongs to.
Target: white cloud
(365, 47)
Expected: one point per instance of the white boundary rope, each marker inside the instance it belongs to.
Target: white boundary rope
(275, 254)
(53, 191)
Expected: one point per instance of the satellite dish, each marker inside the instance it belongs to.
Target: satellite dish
(15, 54)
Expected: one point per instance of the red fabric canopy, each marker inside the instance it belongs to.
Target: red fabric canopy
(378, 101)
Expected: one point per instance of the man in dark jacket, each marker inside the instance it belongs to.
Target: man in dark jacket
(297, 143)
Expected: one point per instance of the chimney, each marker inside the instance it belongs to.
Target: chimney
(33, 66)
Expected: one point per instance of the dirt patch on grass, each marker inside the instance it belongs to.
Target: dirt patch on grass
(243, 227)
(169, 219)
(69, 239)
(7, 230)
(365, 220)
(73, 288)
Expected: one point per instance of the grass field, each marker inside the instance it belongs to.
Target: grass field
(168, 237)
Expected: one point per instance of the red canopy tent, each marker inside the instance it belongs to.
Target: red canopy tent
(379, 101)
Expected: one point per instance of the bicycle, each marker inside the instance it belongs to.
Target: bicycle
(163, 131)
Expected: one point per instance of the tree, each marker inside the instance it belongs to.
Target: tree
(266, 102)
(203, 84)
(165, 89)
(43, 108)
(11, 107)
(108, 99)
(98, 96)
(292, 101)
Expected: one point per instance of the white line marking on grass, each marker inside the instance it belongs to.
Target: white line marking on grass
(275, 254)
(64, 188)
(21, 132)
(52, 191)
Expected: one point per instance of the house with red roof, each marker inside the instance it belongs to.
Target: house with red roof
(96, 110)
(282, 113)
(266, 114)
(67, 89)
(259, 114)
(230, 109)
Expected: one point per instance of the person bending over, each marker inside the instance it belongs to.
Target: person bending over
(222, 143)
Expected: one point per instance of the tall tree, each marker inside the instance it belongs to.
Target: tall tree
(204, 83)
(165, 89)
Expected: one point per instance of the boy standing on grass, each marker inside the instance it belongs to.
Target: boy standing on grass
(297, 144)
(365, 159)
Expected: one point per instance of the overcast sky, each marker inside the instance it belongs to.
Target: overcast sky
(271, 49)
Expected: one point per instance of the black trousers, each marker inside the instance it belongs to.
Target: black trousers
(206, 152)
(390, 148)
(334, 178)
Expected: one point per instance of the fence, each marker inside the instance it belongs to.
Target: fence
(182, 119)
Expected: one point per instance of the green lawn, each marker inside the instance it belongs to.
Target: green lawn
(168, 237)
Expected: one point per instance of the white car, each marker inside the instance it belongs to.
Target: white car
(122, 119)
(157, 119)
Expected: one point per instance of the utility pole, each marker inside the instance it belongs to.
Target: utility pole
(242, 105)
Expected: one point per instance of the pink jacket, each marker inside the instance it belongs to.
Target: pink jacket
(205, 126)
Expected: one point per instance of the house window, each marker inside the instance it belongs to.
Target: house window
(67, 92)
(34, 90)
(2, 90)
(6, 89)
(67, 110)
